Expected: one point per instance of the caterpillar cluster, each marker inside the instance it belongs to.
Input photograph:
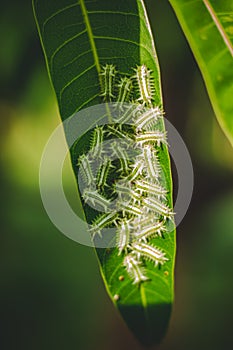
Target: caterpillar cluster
(128, 190)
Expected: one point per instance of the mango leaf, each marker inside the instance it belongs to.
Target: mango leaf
(78, 38)
(208, 26)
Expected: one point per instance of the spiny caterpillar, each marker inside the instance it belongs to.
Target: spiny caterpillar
(145, 85)
(102, 221)
(134, 269)
(148, 119)
(97, 142)
(85, 170)
(107, 76)
(156, 137)
(103, 172)
(129, 191)
(125, 87)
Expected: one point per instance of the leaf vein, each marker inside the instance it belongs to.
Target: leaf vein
(64, 44)
(74, 79)
(57, 13)
(86, 102)
(77, 57)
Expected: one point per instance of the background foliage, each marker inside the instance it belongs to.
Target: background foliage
(46, 300)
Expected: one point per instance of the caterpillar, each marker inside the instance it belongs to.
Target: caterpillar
(158, 207)
(123, 235)
(124, 91)
(156, 137)
(102, 221)
(130, 209)
(151, 188)
(125, 191)
(103, 172)
(118, 133)
(97, 142)
(148, 118)
(149, 252)
(127, 114)
(145, 85)
(85, 170)
(151, 162)
(146, 219)
(122, 156)
(137, 170)
(134, 269)
(96, 200)
(107, 75)
(150, 231)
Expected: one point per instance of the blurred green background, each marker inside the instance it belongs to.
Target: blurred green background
(51, 293)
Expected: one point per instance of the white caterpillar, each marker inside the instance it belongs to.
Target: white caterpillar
(134, 269)
(149, 252)
(148, 119)
(145, 85)
(92, 197)
(123, 235)
(121, 154)
(151, 188)
(130, 209)
(124, 91)
(103, 172)
(86, 170)
(158, 207)
(149, 232)
(151, 161)
(126, 192)
(156, 137)
(103, 221)
(97, 142)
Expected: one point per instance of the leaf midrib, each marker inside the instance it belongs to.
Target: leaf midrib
(90, 35)
(218, 25)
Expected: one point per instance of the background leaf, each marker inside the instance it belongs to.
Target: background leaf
(208, 26)
(77, 39)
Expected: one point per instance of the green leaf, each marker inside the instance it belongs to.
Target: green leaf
(78, 38)
(208, 26)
